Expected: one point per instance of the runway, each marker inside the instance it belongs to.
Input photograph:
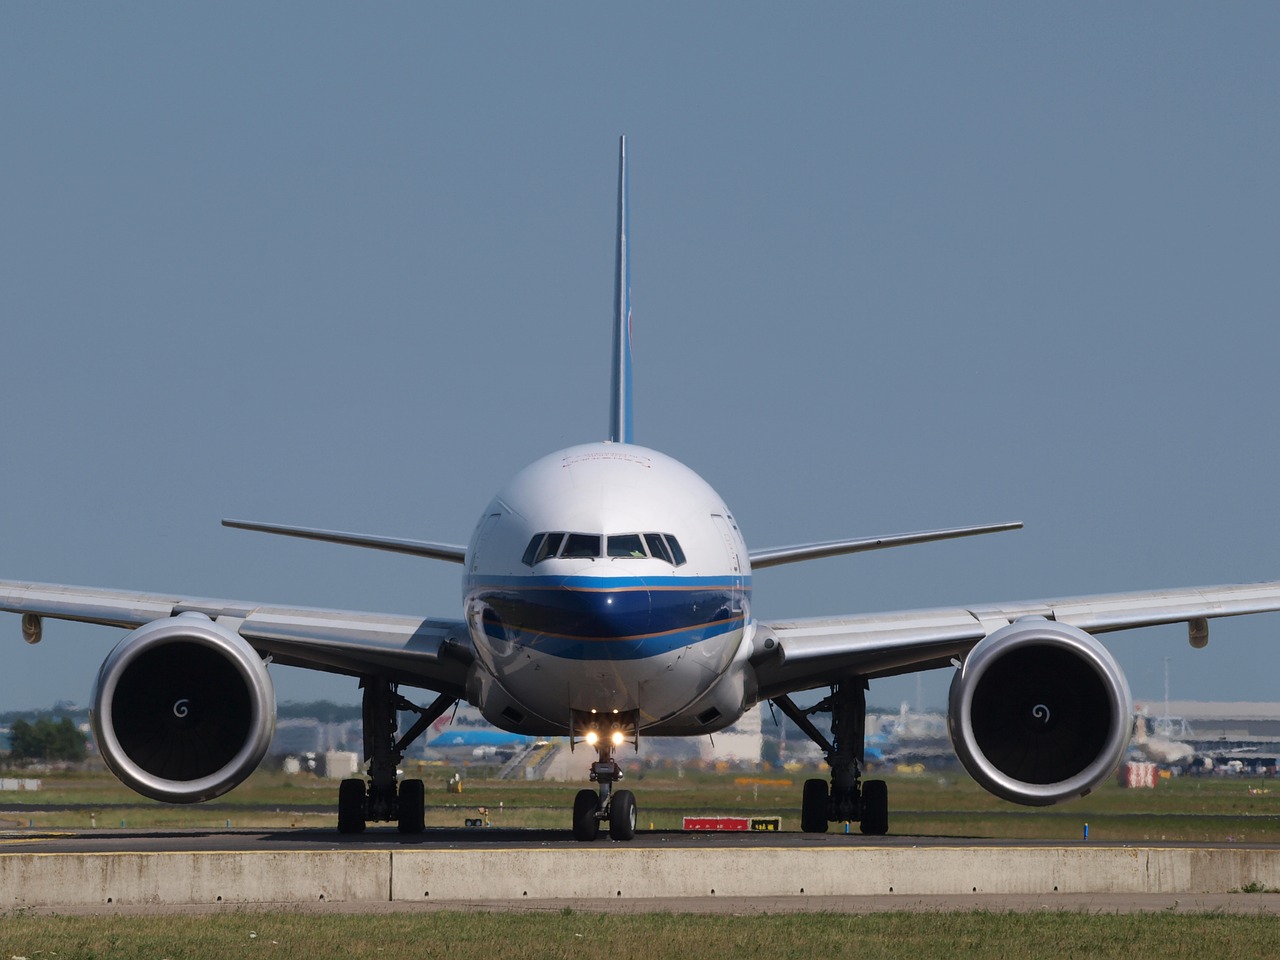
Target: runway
(115, 840)
(112, 840)
(119, 869)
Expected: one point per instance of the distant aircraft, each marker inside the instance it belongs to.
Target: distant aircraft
(1157, 748)
(607, 594)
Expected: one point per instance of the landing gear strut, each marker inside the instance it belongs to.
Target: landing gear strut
(849, 797)
(382, 799)
(590, 808)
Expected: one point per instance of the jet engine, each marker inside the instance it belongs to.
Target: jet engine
(183, 709)
(1040, 712)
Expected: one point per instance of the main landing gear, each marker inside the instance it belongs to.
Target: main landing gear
(382, 799)
(849, 797)
(604, 733)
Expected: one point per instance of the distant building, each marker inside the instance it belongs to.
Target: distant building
(740, 743)
(338, 764)
(1241, 735)
(1222, 722)
(298, 735)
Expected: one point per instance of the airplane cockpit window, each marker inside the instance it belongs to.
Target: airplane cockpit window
(676, 553)
(542, 545)
(635, 546)
(626, 545)
(550, 547)
(658, 547)
(581, 545)
(531, 551)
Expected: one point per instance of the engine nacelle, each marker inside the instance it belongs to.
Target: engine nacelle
(183, 709)
(1040, 712)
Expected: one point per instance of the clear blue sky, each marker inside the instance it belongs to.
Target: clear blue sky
(896, 266)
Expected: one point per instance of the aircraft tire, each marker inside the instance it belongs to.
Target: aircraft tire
(622, 816)
(875, 808)
(813, 807)
(585, 824)
(412, 805)
(351, 806)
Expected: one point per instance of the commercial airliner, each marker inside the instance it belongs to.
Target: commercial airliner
(607, 594)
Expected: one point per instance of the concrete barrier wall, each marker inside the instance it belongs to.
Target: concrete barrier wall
(607, 870)
(780, 871)
(71, 879)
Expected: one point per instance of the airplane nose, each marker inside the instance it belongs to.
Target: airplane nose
(574, 621)
(610, 615)
(607, 622)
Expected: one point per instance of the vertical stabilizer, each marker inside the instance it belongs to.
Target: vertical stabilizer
(620, 410)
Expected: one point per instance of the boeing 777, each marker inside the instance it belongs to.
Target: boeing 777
(607, 595)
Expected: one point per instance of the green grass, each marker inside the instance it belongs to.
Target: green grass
(952, 805)
(482, 936)
(1217, 809)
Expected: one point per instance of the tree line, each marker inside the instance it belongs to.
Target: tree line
(46, 740)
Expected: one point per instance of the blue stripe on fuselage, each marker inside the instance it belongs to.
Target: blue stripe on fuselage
(608, 618)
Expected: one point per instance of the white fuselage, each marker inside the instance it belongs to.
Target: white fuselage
(608, 577)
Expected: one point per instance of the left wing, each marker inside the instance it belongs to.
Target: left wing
(430, 653)
(454, 553)
(795, 655)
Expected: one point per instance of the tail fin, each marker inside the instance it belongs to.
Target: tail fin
(620, 411)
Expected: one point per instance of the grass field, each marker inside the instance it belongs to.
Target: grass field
(1223, 809)
(483, 936)
(1208, 809)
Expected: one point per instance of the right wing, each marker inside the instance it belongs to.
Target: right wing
(800, 654)
(772, 556)
(430, 653)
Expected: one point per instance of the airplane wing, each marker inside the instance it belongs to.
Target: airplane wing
(429, 653)
(773, 556)
(454, 553)
(795, 655)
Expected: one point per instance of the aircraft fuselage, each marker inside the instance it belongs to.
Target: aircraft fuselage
(608, 578)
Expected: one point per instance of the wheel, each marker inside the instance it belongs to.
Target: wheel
(622, 815)
(351, 806)
(875, 808)
(585, 806)
(412, 806)
(813, 807)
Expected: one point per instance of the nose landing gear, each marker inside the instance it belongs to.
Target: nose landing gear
(605, 733)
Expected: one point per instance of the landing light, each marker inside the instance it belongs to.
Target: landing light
(592, 738)
(617, 737)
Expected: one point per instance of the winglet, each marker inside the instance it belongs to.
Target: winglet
(620, 409)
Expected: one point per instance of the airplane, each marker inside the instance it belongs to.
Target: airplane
(1159, 748)
(607, 593)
